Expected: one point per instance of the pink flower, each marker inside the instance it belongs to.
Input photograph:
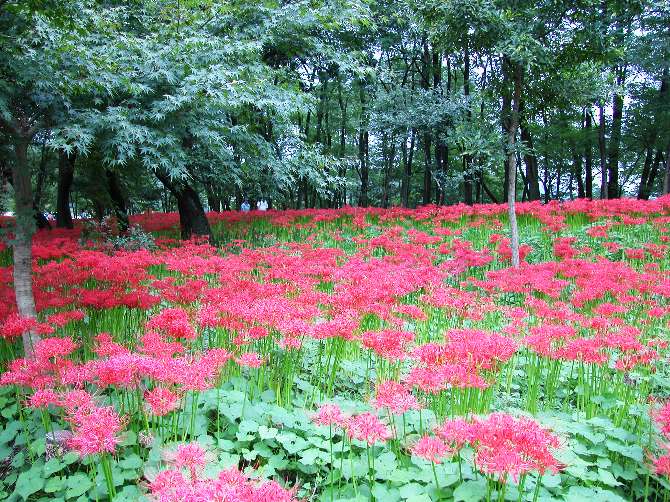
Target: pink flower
(43, 398)
(190, 456)
(161, 401)
(250, 360)
(367, 427)
(431, 449)
(329, 414)
(662, 465)
(95, 430)
(395, 397)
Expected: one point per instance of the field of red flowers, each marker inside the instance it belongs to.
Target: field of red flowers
(346, 355)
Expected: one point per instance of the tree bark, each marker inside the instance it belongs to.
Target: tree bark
(666, 179)
(65, 177)
(118, 200)
(22, 244)
(513, 73)
(615, 139)
(192, 218)
(602, 151)
(588, 158)
(364, 168)
(407, 157)
(530, 159)
(467, 160)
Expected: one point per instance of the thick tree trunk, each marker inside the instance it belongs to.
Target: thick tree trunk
(65, 177)
(192, 218)
(513, 74)
(118, 200)
(22, 243)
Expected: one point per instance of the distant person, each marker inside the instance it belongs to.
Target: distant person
(245, 207)
(262, 205)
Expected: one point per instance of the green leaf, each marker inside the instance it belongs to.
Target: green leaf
(470, 491)
(267, 432)
(412, 490)
(77, 485)
(52, 466)
(29, 482)
(607, 478)
(132, 461)
(54, 484)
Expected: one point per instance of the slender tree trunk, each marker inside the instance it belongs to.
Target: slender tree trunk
(615, 139)
(426, 139)
(588, 158)
(602, 151)
(65, 177)
(213, 198)
(643, 191)
(467, 160)
(666, 179)
(22, 243)
(427, 176)
(514, 73)
(342, 169)
(577, 171)
(407, 157)
(363, 147)
(530, 159)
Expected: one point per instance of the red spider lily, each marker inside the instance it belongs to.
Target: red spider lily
(432, 449)
(231, 485)
(387, 343)
(367, 427)
(161, 401)
(329, 414)
(395, 397)
(44, 398)
(95, 430)
(173, 322)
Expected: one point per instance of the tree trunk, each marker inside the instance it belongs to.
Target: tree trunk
(615, 139)
(666, 179)
(407, 157)
(342, 168)
(192, 218)
(530, 159)
(65, 177)
(363, 146)
(577, 166)
(588, 158)
(22, 244)
(512, 123)
(602, 151)
(213, 198)
(118, 201)
(467, 160)
(427, 176)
